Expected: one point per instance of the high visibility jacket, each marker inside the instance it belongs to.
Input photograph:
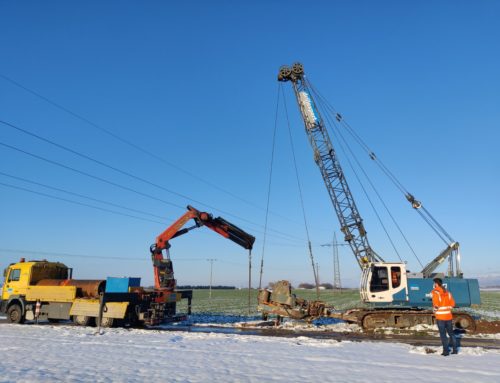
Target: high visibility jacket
(443, 302)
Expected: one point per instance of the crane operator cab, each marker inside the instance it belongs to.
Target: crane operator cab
(383, 282)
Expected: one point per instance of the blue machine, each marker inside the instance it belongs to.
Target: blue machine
(465, 292)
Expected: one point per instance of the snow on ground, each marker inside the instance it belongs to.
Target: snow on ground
(239, 321)
(31, 353)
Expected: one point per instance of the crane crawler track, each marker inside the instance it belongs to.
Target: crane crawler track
(373, 319)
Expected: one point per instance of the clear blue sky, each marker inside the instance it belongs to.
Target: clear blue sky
(194, 83)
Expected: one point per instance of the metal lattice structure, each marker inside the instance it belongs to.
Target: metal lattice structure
(325, 157)
(336, 266)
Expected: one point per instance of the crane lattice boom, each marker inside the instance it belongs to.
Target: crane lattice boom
(351, 223)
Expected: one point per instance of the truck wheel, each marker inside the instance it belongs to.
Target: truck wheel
(82, 320)
(107, 322)
(15, 314)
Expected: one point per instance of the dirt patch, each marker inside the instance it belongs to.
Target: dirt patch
(486, 327)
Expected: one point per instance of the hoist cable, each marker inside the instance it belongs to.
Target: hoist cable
(379, 196)
(383, 167)
(269, 186)
(438, 225)
(300, 195)
(351, 165)
(332, 123)
(360, 141)
(429, 222)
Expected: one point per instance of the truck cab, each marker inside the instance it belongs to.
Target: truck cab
(19, 277)
(16, 278)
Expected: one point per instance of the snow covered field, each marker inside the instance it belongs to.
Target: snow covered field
(31, 353)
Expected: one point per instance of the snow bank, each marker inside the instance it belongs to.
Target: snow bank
(67, 353)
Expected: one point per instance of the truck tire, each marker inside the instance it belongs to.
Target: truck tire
(82, 320)
(15, 314)
(107, 322)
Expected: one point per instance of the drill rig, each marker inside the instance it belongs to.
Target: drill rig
(396, 297)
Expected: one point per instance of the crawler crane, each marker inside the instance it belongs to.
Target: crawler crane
(395, 296)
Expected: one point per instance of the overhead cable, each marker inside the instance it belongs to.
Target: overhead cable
(129, 143)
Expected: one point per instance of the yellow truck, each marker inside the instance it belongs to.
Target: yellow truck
(43, 290)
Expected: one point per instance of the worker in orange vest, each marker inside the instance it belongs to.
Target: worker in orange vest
(443, 302)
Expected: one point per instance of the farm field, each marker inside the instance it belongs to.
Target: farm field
(235, 302)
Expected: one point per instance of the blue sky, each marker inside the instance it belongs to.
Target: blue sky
(193, 85)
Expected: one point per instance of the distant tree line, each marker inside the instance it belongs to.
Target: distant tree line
(307, 286)
(203, 287)
(326, 286)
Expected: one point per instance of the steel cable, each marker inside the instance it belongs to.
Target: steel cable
(269, 186)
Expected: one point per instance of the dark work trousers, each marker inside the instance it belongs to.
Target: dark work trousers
(446, 327)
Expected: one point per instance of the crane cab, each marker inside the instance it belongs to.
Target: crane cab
(384, 282)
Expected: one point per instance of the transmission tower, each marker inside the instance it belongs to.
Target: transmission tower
(336, 269)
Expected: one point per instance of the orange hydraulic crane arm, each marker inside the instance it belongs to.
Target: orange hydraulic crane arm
(163, 270)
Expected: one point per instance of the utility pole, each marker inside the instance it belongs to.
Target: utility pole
(317, 275)
(211, 260)
(249, 280)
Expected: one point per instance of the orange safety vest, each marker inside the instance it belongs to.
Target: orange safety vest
(443, 302)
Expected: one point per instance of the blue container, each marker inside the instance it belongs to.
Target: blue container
(121, 285)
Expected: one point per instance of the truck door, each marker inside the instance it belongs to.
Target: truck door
(15, 283)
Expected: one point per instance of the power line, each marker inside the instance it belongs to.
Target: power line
(123, 172)
(64, 254)
(77, 203)
(80, 195)
(52, 253)
(86, 197)
(129, 143)
(88, 174)
(101, 163)
(279, 235)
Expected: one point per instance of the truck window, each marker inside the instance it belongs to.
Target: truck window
(380, 280)
(14, 275)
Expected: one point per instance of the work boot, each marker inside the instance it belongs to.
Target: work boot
(445, 353)
(454, 352)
